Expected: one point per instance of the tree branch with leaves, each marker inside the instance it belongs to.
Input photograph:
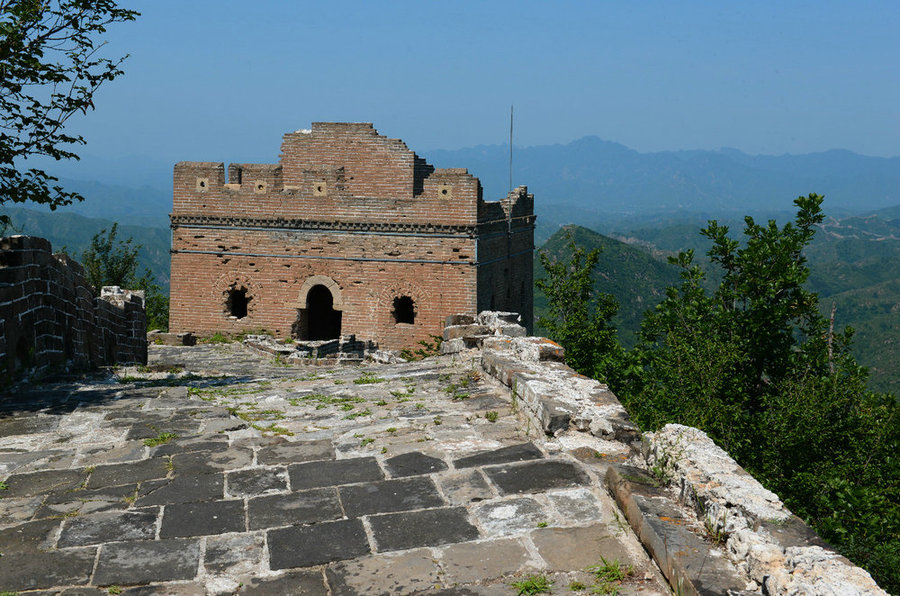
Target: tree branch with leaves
(50, 68)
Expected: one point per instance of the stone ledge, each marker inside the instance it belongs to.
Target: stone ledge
(171, 339)
(462, 332)
(345, 349)
(774, 547)
(559, 398)
(690, 564)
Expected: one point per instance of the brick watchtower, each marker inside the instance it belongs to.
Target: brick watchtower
(350, 233)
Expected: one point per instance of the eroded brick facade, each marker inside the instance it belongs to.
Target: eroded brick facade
(350, 233)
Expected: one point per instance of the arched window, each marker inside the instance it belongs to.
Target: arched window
(404, 310)
(236, 302)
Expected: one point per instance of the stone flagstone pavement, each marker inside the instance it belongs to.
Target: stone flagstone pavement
(219, 471)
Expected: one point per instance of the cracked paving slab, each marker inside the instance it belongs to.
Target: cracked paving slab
(235, 474)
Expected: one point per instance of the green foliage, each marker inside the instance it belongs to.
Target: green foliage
(429, 348)
(367, 378)
(536, 584)
(50, 68)
(610, 571)
(109, 261)
(854, 265)
(756, 365)
(156, 303)
(216, 338)
(636, 278)
(577, 317)
(160, 439)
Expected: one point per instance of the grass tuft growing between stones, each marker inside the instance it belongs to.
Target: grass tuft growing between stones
(536, 584)
(160, 439)
(273, 429)
(368, 378)
(609, 575)
(357, 414)
(322, 400)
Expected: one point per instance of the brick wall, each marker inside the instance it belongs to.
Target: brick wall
(358, 212)
(49, 316)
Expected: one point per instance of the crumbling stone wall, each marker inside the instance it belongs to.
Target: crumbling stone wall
(50, 317)
(350, 233)
(762, 547)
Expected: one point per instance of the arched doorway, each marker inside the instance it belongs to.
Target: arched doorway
(323, 322)
(319, 309)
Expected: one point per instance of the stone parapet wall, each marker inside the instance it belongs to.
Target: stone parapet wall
(49, 316)
(710, 525)
(774, 547)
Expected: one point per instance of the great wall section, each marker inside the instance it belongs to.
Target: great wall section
(50, 319)
(292, 464)
(220, 469)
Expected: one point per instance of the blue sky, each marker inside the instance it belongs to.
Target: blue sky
(222, 80)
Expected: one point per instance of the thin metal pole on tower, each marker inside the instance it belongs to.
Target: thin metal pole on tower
(510, 144)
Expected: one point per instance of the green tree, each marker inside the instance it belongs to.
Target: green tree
(109, 261)
(49, 71)
(579, 318)
(757, 366)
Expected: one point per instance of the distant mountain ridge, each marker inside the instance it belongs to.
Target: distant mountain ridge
(590, 181)
(140, 206)
(610, 178)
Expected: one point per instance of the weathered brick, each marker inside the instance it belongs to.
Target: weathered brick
(356, 213)
(52, 318)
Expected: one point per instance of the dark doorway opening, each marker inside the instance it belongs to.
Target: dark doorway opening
(237, 303)
(24, 353)
(319, 320)
(404, 310)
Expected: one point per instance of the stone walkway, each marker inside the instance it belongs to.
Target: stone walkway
(219, 471)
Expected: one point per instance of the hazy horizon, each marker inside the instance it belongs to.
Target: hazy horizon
(222, 81)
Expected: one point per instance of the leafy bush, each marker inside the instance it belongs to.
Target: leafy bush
(757, 366)
(579, 318)
(109, 261)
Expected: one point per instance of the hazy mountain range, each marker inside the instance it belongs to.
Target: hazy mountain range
(596, 182)
(590, 181)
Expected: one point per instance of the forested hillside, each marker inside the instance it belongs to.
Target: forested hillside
(752, 360)
(855, 266)
(631, 274)
(74, 232)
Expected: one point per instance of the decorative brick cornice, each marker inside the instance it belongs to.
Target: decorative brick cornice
(305, 224)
